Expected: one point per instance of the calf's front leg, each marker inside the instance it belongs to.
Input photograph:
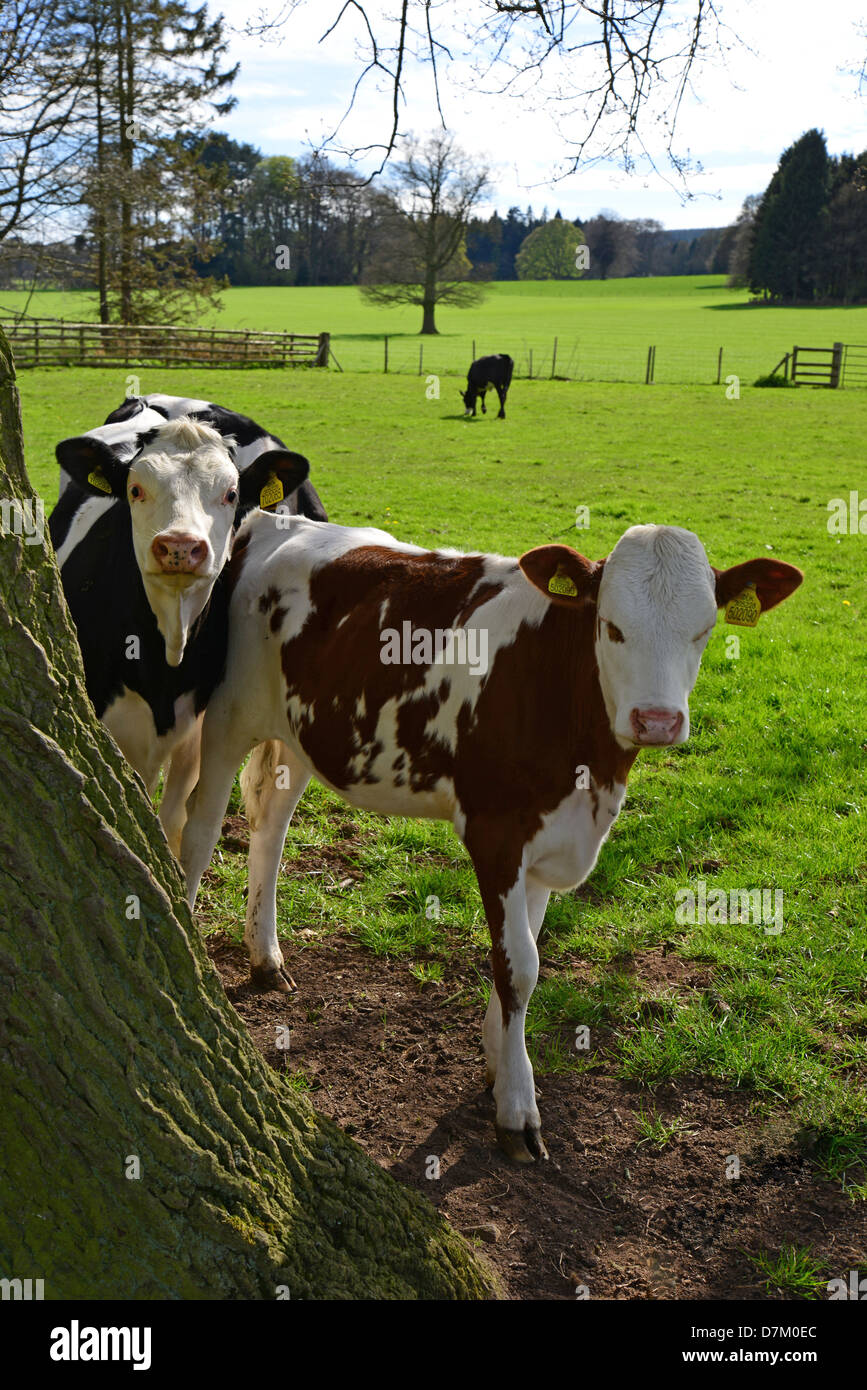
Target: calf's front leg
(516, 969)
(272, 784)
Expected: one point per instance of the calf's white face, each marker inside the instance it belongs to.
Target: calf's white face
(182, 503)
(656, 609)
(655, 600)
(183, 492)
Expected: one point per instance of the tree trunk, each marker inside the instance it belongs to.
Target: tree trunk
(146, 1150)
(428, 305)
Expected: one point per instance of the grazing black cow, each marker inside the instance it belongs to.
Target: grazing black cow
(149, 505)
(493, 371)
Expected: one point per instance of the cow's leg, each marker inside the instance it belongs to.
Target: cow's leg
(130, 722)
(272, 784)
(224, 745)
(482, 399)
(492, 1030)
(501, 392)
(516, 968)
(182, 776)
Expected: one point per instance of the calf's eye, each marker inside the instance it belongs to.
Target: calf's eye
(136, 493)
(614, 633)
(231, 496)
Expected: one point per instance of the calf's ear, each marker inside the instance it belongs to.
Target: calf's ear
(564, 576)
(272, 477)
(773, 581)
(93, 466)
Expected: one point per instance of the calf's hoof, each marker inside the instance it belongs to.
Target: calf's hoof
(271, 977)
(522, 1145)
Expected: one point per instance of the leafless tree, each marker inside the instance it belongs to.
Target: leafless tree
(419, 254)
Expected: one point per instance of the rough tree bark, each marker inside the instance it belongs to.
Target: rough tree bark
(117, 1042)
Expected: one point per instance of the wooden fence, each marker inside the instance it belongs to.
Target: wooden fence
(817, 366)
(55, 343)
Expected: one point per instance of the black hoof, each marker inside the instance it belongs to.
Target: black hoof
(522, 1145)
(269, 977)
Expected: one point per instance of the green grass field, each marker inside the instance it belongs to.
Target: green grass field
(603, 328)
(771, 790)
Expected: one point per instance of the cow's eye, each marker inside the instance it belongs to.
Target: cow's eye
(231, 496)
(614, 633)
(136, 492)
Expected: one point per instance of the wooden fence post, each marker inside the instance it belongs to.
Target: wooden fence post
(385, 340)
(836, 364)
(323, 351)
(719, 367)
(651, 363)
(531, 364)
(420, 357)
(554, 360)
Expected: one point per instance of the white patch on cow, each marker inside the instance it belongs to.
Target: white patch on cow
(87, 514)
(563, 852)
(658, 589)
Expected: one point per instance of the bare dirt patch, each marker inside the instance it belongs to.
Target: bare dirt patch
(400, 1067)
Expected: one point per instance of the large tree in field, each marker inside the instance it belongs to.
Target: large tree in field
(418, 254)
(551, 252)
(146, 1150)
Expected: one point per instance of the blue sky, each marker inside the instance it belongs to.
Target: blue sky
(787, 74)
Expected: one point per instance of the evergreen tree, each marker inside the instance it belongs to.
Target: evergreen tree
(786, 260)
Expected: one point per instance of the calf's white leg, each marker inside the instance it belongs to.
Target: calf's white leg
(182, 776)
(272, 784)
(223, 751)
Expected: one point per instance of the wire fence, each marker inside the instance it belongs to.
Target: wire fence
(633, 359)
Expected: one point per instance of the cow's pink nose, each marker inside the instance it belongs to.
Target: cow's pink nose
(178, 554)
(656, 726)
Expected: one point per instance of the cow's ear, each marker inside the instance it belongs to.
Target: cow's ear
(562, 574)
(773, 580)
(93, 466)
(272, 477)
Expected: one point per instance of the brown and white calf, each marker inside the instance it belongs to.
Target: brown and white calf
(510, 697)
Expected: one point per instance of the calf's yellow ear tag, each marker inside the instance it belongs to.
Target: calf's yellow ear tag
(744, 608)
(99, 480)
(272, 492)
(560, 583)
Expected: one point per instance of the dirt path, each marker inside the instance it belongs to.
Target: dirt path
(401, 1069)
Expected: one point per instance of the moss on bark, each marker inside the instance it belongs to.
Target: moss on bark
(146, 1150)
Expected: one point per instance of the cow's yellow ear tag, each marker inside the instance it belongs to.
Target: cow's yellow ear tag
(99, 480)
(272, 492)
(560, 583)
(744, 608)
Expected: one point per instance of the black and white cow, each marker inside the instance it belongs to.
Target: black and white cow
(149, 505)
(488, 372)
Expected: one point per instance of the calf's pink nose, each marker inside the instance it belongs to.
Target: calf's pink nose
(656, 726)
(178, 554)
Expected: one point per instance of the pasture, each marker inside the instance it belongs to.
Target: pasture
(603, 328)
(706, 1040)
